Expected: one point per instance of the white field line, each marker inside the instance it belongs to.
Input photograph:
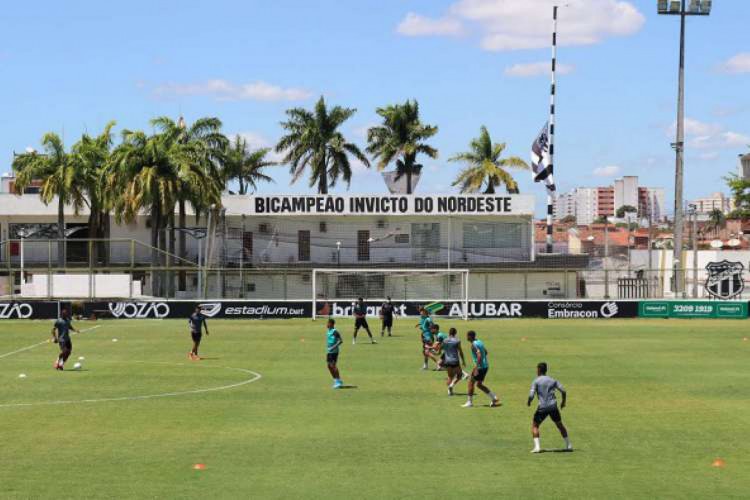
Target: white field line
(255, 377)
(27, 348)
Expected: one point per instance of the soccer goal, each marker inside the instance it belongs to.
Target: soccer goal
(413, 287)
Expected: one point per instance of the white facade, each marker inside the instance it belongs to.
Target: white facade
(626, 192)
(586, 205)
(487, 230)
(565, 205)
(582, 203)
(5, 180)
(657, 202)
(717, 201)
(743, 166)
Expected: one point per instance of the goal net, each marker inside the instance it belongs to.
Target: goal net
(410, 288)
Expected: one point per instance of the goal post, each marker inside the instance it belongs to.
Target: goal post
(411, 288)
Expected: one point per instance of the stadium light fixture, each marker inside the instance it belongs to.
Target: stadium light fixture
(680, 8)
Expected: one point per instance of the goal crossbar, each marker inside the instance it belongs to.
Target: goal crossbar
(419, 286)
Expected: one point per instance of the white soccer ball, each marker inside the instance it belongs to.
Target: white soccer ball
(77, 366)
(114, 340)
(81, 358)
(22, 375)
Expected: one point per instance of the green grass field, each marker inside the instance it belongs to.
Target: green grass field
(651, 405)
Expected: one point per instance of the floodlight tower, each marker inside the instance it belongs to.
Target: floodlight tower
(680, 8)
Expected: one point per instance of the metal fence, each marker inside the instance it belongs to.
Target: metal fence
(131, 269)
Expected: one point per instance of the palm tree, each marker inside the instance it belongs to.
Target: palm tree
(60, 177)
(313, 140)
(246, 166)
(92, 155)
(485, 166)
(401, 138)
(717, 220)
(201, 185)
(142, 171)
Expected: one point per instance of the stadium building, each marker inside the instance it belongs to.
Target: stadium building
(280, 247)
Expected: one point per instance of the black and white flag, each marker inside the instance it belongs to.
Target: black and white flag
(541, 166)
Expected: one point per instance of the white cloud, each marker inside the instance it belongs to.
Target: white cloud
(702, 135)
(360, 132)
(737, 64)
(256, 140)
(524, 24)
(608, 171)
(416, 25)
(709, 156)
(526, 70)
(358, 167)
(224, 90)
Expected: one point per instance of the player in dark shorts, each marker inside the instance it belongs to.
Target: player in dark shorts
(453, 358)
(436, 348)
(386, 317)
(61, 336)
(481, 366)
(197, 322)
(360, 320)
(543, 387)
(333, 343)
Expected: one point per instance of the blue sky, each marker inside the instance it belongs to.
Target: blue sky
(72, 66)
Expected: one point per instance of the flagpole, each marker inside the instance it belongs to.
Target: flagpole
(553, 91)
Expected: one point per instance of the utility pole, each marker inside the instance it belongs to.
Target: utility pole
(703, 8)
(694, 213)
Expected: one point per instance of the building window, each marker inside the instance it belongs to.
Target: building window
(247, 245)
(425, 242)
(493, 235)
(363, 245)
(303, 246)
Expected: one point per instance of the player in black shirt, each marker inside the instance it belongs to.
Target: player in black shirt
(360, 320)
(197, 322)
(386, 316)
(61, 336)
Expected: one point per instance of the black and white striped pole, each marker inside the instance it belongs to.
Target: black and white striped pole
(551, 132)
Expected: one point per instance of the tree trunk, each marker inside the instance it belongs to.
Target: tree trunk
(60, 233)
(182, 279)
(154, 246)
(105, 232)
(242, 186)
(323, 184)
(408, 182)
(490, 187)
(162, 255)
(94, 233)
(170, 257)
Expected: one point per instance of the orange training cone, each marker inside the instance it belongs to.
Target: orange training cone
(718, 463)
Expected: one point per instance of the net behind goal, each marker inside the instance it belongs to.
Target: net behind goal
(418, 287)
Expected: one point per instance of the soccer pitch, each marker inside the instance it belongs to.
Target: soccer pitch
(652, 403)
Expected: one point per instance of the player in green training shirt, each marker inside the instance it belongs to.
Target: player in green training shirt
(424, 325)
(481, 366)
(333, 343)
